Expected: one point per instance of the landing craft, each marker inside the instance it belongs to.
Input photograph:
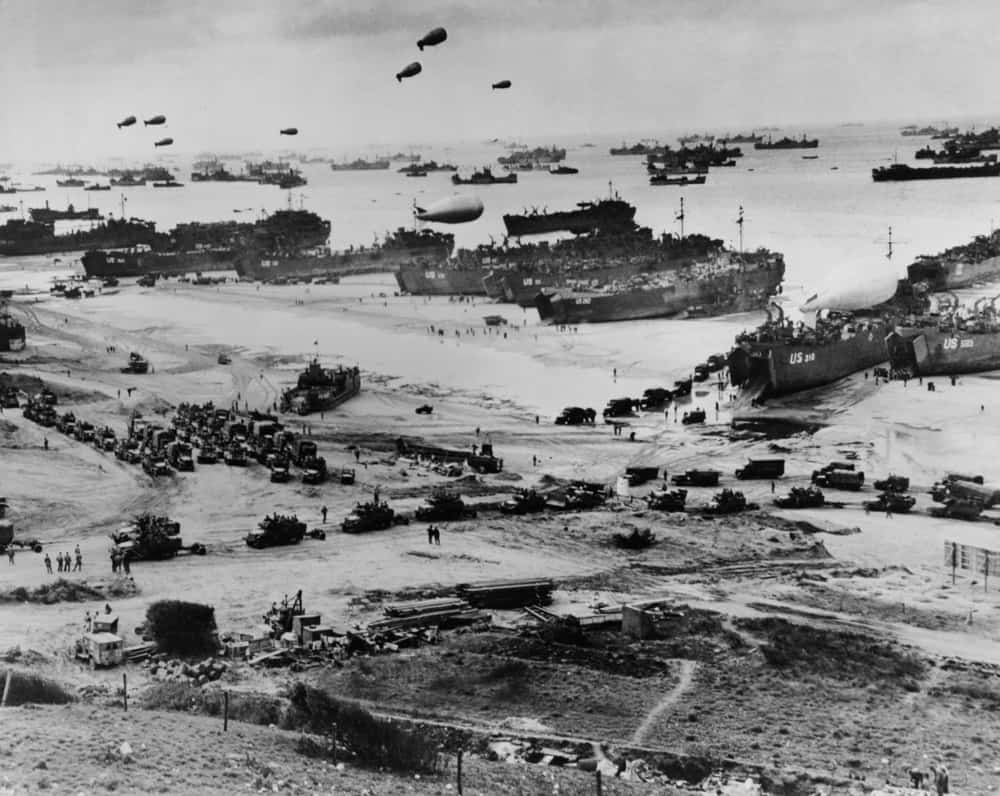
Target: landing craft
(154, 120)
(290, 131)
(409, 71)
(128, 121)
(502, 84)
(435, 36)
(862, 294)
(164, 142)
(452, 210)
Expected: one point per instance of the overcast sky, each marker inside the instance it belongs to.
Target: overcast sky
(229, 73)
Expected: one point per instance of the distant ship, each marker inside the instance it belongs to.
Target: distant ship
(531, 158)
(780, 357)
(948, 344)
(428, 166)
(684, 140)
(666, 178)
(47, 215)
(740, 138)
(959, 266)
(787, 143)
(98, 187)
(19, 237)
(727, 283)
(944, 132)
(361, 165)
(216, 172)
(402, 249)
(72, 182)
(636, 149)
(901, 172)
(484, 177)
(605, 214)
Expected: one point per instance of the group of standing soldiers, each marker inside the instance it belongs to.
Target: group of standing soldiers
(64, 562)
(120, 561)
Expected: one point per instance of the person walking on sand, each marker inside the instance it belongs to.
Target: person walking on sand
(48, 564)
(430, 534)
(79, 561)
(45, 443)
(437, 535)
(323, 512)
(10, 556)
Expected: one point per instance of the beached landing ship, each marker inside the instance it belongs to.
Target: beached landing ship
(901, 172)
(319, 389)
(611, 214)
(948, 344)
(18, 237)
(401, 250)
(781, 357)
(959, 266)
(728, 282)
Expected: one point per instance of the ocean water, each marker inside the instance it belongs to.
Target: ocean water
(826, 216)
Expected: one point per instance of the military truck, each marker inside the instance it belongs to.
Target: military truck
(694, 416)
(374, 515)
(667, 500)
(697, 478)
(155, 464)
(526, 501)
(761, 468)
(620, 407)
(235, 455)
(304, 450)
(179, 456)
(276, 529)
(638, 475)
(891, 501)
(655, 398)
(7, 536)
(576, 416)
(208, 454)
(443, 507)
(314, 470)
(347, 476)
(958, 509)
(279, 470)
(839, 479)
(801, 498)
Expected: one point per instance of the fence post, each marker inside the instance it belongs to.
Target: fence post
(6, 688)
(225, 711)
(335, 743)
(597, 779)
(125, 690)
(458, 773)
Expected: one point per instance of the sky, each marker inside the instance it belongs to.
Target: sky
(228, 74)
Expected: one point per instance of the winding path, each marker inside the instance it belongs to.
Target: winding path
(675, 693)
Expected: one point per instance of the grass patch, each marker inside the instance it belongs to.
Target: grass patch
(187, 698)
(372, 741)
(835, 654)
(28, 688)
(984, 693)
(71, 591)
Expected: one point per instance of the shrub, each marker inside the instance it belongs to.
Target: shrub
(371, 740)
(30, 688)
(247, 707)
(182, 628)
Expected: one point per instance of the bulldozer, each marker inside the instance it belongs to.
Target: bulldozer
(276, 529)
(729, 501)
(443, 507)
(664, 500)
(374, 515)
(526, 501)
(100, 645)
(895, 502)
(801, 498)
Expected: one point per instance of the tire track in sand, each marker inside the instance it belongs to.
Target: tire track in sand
(675, 693)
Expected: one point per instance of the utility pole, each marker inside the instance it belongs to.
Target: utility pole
(888, 254)
(680, 217)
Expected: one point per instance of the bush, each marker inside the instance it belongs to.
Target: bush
(182, 628)
(185, 697)
(371, 740)
(30, 688)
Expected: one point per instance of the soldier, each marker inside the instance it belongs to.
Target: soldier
(48, 564)
(125, 564)
(45, 443)
(10, 555)
(79, 561)
(437, 535)
(430, 534)
(323, 512)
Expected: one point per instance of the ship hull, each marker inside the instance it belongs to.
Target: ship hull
(577, 222)
(517, 288)
(932, 352)
(953, 275)
(421, 280)
(906, 173)
(126, 264)
(81, 241)
(736, 291)
(781, 368)
(266, 267)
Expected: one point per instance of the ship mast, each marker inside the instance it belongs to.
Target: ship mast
(680, 217)
(739, 223)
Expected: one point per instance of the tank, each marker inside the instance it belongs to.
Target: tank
(371, 516)
(891, 501)
(443, 507)
(893, 483)
(664, 500)
(729, 501)
(526, 501)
